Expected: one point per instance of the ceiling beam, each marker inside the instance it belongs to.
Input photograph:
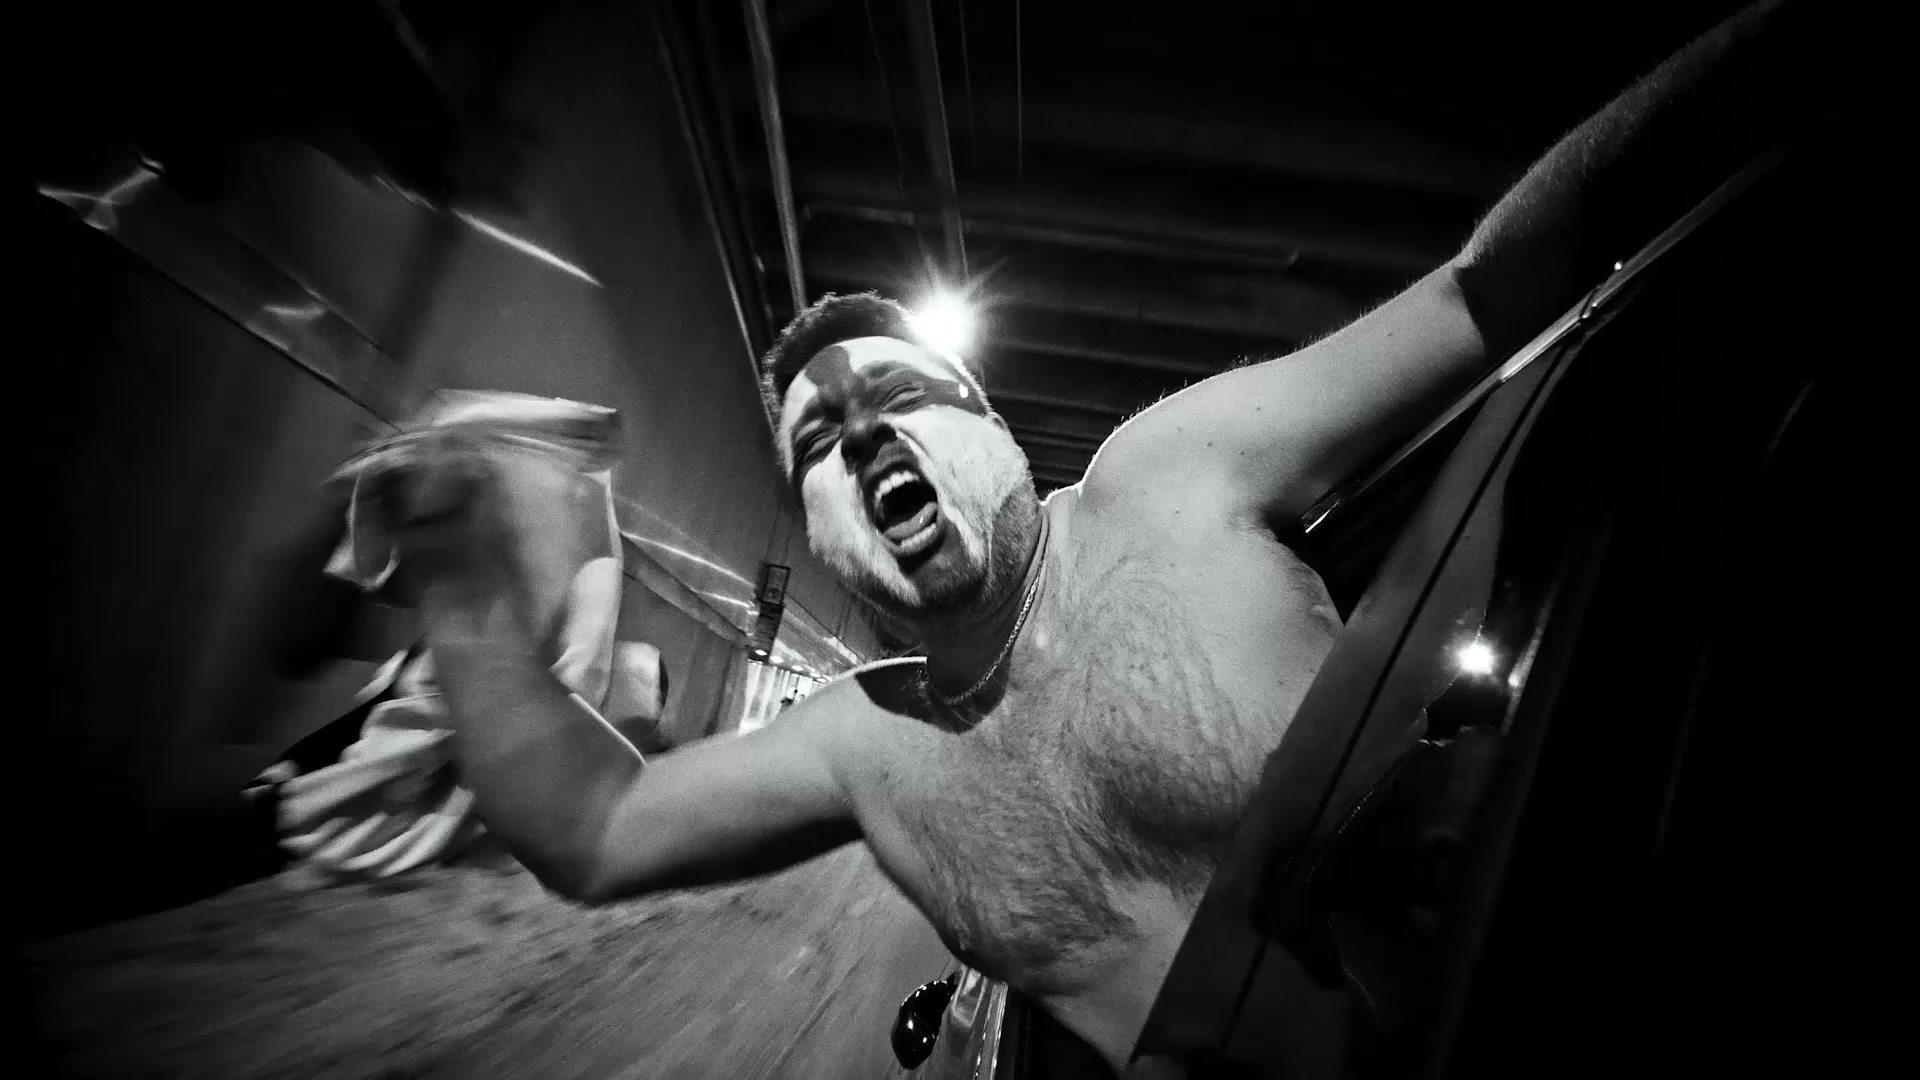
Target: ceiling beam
(1043, 437)
(1088, 428)
(1186, 350)
(1254, 218)
(1054, 478)
(1299, 144)
(1060, 459)
(1118, 390)
(1010, 395)
(1091, 239)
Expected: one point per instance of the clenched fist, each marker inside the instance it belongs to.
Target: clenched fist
(448, 513)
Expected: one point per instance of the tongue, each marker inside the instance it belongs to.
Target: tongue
(907, 529)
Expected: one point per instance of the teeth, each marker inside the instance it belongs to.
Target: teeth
(892, 481)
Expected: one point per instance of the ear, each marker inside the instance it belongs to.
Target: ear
(796, 501)
(998, 421)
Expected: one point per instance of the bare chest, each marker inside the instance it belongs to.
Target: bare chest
(1143, 702)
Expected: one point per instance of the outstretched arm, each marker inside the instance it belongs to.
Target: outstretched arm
(1263, 443)
(592, 819)
(575, 802)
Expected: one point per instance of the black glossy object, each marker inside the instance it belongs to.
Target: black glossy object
(917, 1027)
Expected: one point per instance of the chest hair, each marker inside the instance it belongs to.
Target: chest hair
(1119, 755)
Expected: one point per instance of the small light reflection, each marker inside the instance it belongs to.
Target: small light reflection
(947, 322)
(1475, 658)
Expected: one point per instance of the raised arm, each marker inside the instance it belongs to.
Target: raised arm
(1263, 443)
(573, 801)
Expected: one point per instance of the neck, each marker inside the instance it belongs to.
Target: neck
(961, 650)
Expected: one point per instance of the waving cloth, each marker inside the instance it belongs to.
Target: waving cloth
(393, 801)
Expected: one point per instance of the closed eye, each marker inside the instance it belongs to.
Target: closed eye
(902, 396)
(813, 444)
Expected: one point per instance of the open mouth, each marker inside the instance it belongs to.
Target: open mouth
(904, 508)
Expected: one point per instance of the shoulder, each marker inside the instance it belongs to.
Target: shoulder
(1145, 486)
(882, 684)
(893, 687)
(867, 724)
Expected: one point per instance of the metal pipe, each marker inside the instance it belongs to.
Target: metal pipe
(767, 90)
(933, 109)
(734, 258)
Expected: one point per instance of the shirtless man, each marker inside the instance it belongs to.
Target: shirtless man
(1107, 670)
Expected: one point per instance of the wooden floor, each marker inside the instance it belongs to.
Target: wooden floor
(476, 972)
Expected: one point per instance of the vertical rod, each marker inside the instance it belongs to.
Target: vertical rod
(766, 85)
(933, 108)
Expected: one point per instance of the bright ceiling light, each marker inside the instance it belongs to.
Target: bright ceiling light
(1475, 658)
(947, 322)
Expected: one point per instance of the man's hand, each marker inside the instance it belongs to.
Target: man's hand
(572, 799)
(457, 556)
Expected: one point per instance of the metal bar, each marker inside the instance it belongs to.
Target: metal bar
(767, 90)
(933, 109)
(733, 256)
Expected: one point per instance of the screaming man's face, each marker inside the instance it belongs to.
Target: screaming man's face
(911, 485)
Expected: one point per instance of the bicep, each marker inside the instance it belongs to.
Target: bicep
(1272, 438)
(728, 808)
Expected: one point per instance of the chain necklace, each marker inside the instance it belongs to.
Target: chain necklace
(1026, 605)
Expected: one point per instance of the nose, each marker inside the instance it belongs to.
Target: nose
(862, 436)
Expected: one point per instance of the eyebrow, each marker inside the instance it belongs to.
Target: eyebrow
(879, 369)
(808, 413)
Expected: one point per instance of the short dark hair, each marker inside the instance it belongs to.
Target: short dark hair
(829, 321)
